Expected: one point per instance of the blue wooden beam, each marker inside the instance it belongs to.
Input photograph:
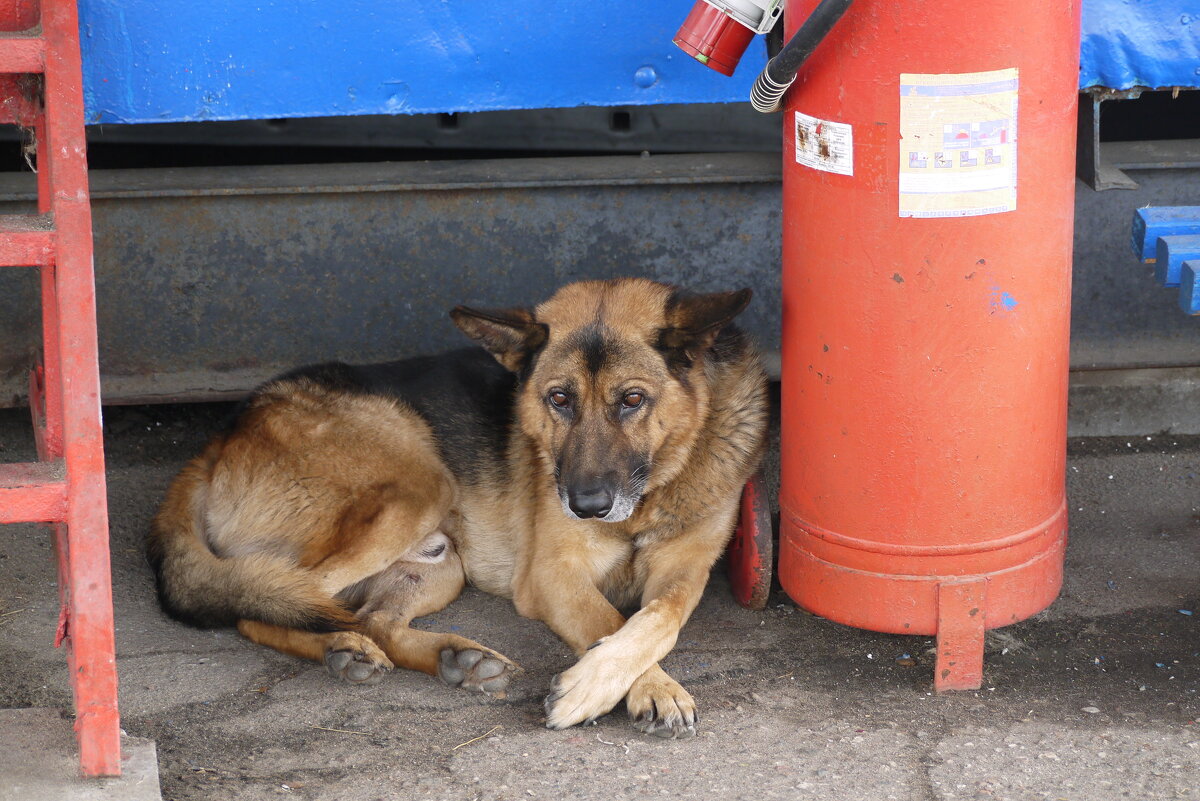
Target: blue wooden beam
(1171, 253)
(1152, 222)
(1189, 287)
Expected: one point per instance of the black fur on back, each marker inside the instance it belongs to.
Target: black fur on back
(465, 396)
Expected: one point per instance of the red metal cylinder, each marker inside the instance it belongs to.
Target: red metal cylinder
(928, 210)
(713, 38)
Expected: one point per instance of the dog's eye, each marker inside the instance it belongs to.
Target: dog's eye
(632, 400)
(558, 398)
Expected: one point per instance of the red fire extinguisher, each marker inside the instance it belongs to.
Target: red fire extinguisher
(927, 230)
(717, 32)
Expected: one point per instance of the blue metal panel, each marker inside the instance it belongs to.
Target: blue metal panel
(173, 60)
(1128, 43)
(181, 60)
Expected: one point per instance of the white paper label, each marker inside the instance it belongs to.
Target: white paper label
(824, 145)
(958, 144)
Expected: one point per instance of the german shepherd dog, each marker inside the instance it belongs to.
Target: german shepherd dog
(593, 461)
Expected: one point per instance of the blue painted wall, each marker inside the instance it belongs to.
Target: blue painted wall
(182, 60)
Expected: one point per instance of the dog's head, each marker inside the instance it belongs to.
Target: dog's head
(608, 388)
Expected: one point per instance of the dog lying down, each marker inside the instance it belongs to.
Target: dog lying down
(589, 456)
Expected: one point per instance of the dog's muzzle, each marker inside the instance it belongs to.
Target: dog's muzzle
(597, 504)
(592, 502)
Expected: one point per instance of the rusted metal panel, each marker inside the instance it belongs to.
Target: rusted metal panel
(211, 279)
(218, 277)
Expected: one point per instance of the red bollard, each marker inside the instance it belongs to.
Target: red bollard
(928, 209)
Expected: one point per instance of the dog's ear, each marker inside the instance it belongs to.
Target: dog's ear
(693, 322)
(512, 335)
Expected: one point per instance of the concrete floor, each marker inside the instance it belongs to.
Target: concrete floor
(1096, 698)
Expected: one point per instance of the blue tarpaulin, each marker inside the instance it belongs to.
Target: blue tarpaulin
(181, 60)
(1128, 43)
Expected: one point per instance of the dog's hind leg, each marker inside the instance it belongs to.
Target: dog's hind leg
(347, 655)
(383, 522)
(412, 589)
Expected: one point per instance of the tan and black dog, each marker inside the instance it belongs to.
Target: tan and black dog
(595, 463)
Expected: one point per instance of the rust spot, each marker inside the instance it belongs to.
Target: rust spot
(945, 672)
(982, 261)
(969, 277)
(801, 136)
(974, 612)
(825, 349)
(823, 148)
(898, 278)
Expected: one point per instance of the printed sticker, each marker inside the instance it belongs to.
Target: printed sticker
(824, 145)
(958, 144)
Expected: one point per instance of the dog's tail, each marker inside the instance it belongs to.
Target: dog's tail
(200, 588)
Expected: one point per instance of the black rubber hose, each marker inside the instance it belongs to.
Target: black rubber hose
(774, 38)
(781, 70)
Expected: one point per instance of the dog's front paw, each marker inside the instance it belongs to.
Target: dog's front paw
(357, 660)
(658, 705)
(587, 691)
(472, 669)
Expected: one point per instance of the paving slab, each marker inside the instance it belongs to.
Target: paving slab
(39, 762)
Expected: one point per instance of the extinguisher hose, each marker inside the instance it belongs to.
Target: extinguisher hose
(781, 71)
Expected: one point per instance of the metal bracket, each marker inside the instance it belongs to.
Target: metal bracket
(962, 618)
(1090, 165)
(1102, 165)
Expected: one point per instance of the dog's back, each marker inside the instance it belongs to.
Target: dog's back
(465, 396)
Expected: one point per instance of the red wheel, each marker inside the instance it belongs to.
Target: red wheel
(751, 550)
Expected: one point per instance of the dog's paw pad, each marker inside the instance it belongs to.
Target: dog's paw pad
(468, 658)
(476, 670)
(449, 670)
(355, 666)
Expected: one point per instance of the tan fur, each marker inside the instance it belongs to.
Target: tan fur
(706, 439)
(333, 493)
(316, 494)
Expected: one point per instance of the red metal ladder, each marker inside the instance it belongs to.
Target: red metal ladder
(41, 91)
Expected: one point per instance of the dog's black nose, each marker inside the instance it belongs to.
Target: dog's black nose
(590, 503)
